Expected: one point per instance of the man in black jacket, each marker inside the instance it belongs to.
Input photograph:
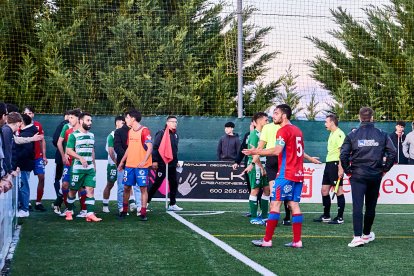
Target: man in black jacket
(229, 144)
(58, 157)
(160, 167)
(24, 159)
(362, 158)
(398, 138)
(120, 147)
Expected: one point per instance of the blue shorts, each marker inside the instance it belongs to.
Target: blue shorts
(135, 176)
(284, 189)
(66, 173)
(39, 166)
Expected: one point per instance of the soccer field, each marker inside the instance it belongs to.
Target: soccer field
(163, 245)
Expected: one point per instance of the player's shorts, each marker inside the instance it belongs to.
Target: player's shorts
(257, 181)
(284, 189)
(39, 166)
(135, 176)
(330, 174)
(271, 167)
(111, 173)
(82, 180)
(66, 173)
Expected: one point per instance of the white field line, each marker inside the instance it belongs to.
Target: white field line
(214, 212)
(230, 250)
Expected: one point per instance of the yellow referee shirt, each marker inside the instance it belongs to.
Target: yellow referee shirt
(335, 141)
(268, 134)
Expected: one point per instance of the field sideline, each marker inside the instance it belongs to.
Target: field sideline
(164, 245)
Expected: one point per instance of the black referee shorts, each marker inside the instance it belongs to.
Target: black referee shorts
(271, 167)
(330, 174)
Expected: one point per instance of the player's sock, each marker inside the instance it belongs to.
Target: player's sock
(40, 191)
(326, 201)
(105, 202)
(125, 207)
(264, 205)
(271, 225)
(82, 199)
(71, 201)
(143, 211)
(287, 209)
(65, 197)
(341, 205)
(90, 204)
(253, 206)
(297, 220)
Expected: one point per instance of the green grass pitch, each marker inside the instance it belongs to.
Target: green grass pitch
(49, 245)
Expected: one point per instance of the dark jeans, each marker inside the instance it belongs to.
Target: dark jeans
(58, 176)
(172, 181)
(368, 188)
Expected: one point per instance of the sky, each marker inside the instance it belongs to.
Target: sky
(292, 21)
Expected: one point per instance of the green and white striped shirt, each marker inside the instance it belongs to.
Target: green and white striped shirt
(82, 144)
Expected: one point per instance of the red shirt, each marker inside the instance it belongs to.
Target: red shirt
(291, 158)
(65, 140)
(38, 144)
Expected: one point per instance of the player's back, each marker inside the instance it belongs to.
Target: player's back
(291, 158)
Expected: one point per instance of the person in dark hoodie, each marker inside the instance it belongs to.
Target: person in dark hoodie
(159, 165)
(24, 160)
(398, 138)
(229, 144)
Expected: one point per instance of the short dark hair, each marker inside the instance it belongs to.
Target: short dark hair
(134, 114)
(14, 117)
(171, 117)
(83, 114)
(229, 124)
(119, 118)
(75, 112)
(30, 108)
(27, 120)
(400, 123)
(259, 115)
(333, 118)
(366, 113)
(12, 108)
(285, 110)
(3, 109)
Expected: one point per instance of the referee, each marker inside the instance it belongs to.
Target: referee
(366, 147)
(333, 171)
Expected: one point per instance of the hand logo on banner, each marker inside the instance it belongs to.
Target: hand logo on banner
(188, 185)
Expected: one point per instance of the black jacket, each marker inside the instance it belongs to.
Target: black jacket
(397, 141)
(25, 152)
(228, 147)
(56, 135)
(8, 148)
(243, 145)
(363, 151)
(121, 142)
(174, 145)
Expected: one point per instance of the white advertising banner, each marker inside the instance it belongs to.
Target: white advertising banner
(397, 186)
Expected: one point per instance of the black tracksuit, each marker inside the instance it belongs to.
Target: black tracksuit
(361, 157)
(58, 157)
(172, 166)
(398, 141)
(121, 142)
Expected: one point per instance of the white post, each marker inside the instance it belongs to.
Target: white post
(166, 187)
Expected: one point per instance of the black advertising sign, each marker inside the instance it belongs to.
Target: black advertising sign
(208, 180)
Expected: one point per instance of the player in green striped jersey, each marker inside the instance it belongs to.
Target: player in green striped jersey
(81, 147)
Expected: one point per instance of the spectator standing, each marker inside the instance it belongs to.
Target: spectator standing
(398, 138)
(229, 144)
(408, 146)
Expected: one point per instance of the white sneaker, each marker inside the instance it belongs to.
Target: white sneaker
(56, 210)
(174, 208)
(23, 214)
(356, 242)
(82, 214)
(132, 207)
(105, 209)
(368, 238)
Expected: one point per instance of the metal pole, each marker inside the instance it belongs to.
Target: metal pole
(239, 59)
